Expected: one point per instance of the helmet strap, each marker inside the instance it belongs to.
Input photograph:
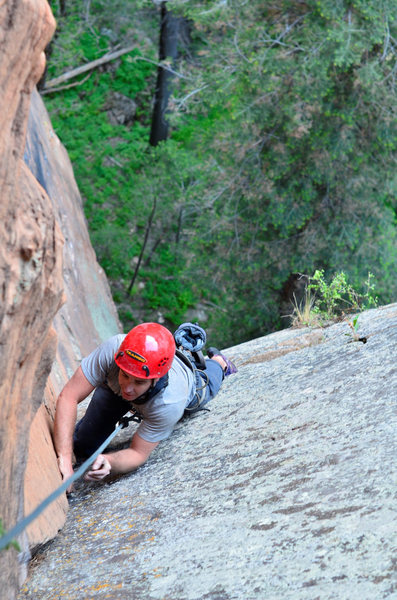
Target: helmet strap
(153, 390)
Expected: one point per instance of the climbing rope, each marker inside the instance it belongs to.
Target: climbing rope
(10, 536)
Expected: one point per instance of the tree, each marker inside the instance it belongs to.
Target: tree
(298, 115)
(280, 157)
(170, 26)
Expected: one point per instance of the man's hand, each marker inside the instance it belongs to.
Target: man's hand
(66, 468)
(122, 461)
(99, 469)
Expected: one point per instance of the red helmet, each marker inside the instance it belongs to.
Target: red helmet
(146, 351)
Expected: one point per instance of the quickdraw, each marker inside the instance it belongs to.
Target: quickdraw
(130, 416)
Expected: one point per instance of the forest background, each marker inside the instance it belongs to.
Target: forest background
(279, 158)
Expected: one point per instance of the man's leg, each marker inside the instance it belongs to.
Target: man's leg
(104, 411)
(214, 373)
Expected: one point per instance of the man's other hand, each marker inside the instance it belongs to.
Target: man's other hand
(66, 468)
(99, 469)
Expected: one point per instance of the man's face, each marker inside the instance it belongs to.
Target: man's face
(133, 387)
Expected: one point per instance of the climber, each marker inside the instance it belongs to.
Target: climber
(141, 371)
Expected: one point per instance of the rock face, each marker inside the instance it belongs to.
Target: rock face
(40, 209)
(284, 491)
(86, 318)
(30, 261)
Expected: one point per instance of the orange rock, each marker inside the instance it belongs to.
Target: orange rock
(39, 332)
(30, 261)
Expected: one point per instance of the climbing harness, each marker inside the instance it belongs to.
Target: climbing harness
(200, 377)
(202, 381)
(10, 536)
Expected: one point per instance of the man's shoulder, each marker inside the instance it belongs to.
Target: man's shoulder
(97, 365)
(114, 341)
(180, 384)
(109, 346)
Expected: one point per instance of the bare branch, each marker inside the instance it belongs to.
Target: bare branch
(148, 228)
(164, 65)
(65, 87)
(180, 103)
(386, 44)
(88, 67)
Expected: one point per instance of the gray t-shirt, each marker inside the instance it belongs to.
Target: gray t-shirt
(163, 411)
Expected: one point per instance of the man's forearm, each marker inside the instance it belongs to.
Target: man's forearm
(65, 420)
(115, 463)
(125, 461)
(76, 389)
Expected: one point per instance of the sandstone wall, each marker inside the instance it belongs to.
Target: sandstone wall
(55, 302)
(87, 317)
(30, 261)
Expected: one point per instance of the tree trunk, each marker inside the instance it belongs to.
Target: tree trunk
(169, 31)
(148, 228)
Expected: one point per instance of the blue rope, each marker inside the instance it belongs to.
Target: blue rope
(19, 527)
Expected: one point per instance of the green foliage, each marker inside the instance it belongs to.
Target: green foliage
(281, 157)
(325, 302)
(338, 296)
(304, 141)
(12, 544)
